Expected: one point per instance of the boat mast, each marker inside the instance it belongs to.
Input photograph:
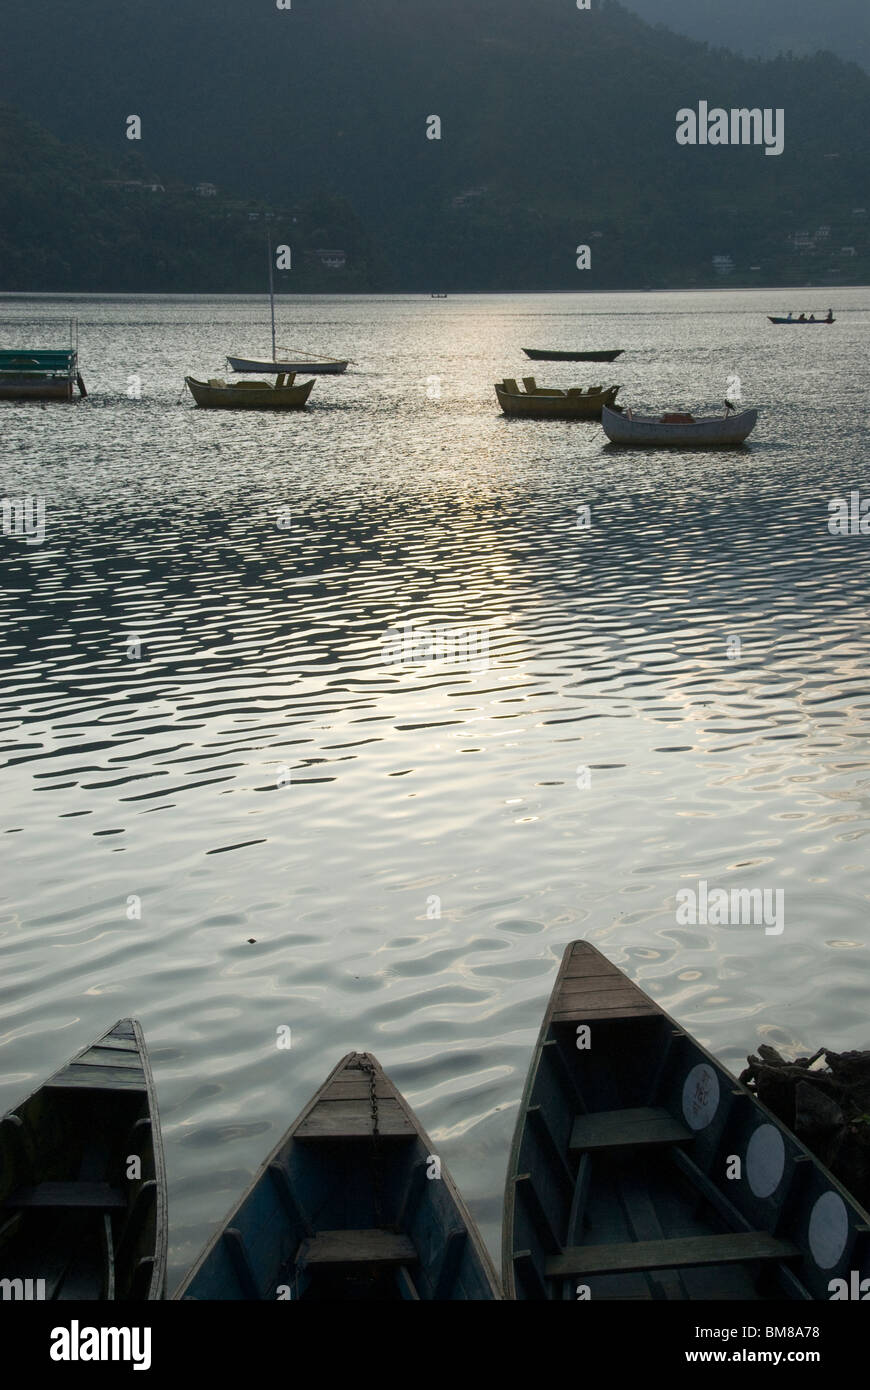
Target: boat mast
(271, 290)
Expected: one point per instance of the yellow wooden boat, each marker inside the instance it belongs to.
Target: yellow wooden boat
(251, 395)
(547, 402)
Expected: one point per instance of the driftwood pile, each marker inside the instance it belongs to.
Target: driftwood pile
(825, 1101)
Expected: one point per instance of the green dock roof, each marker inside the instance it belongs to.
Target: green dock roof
(37, 360)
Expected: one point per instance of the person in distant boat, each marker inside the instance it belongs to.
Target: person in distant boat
(811, 319)
(788, 320)
(802, 319)
(830, 318)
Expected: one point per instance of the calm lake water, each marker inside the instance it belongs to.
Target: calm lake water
(204, 740)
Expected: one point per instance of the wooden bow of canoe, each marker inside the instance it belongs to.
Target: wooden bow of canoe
(348, 1206)
(641, 1168)
(75, 1210)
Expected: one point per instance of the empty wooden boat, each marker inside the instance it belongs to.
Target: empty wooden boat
(83, 1211)
(546, 402)
(251, 395)
(678, 430)
(641, 1168)
(352, 1204)
(554, 355)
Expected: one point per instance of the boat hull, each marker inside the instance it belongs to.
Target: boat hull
(103, 1236)
(548, 355)
(255, 364)
(249, 395)
(718, 432)
(345, 1210)
(537, 405)
(800, 323)
(622, 1181)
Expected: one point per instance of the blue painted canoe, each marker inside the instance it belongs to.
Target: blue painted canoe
(353, 1204)
(77, 1216)
(641, 1168)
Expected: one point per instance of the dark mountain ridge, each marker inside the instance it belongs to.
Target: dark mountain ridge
(556, 131)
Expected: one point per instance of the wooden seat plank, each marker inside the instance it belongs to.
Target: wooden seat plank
(620, 1129)
(108, 1078)
(115, 1043)
(591, 983)
(100, 1056)
(358, 1247)
(600, 1011)
(352, 1119)
(346, 1088)
(680, 1253)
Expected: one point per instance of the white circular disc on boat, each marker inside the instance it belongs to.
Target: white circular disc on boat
(765, 1160)
(829, 1229)
(700, 1096)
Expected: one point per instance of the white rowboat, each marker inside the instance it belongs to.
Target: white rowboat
(715, 431)
(317, 367)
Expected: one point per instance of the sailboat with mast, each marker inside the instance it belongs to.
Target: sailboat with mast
(286, 362)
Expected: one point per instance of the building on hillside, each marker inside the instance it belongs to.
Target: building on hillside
(333, 260)
(134, 185)
(206, 190)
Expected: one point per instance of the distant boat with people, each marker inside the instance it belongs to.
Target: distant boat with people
(803, 318)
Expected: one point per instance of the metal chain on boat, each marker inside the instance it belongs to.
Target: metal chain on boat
(366, 1066)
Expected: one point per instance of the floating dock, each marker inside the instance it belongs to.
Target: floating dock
(41, 374)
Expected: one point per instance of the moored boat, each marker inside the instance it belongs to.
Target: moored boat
(83, 1207)
(288, 361)
(678, 430)
(555, 355)
(250, 395)
(353, 1204)
(641, 1168)
(545, 402)
(324, 366)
